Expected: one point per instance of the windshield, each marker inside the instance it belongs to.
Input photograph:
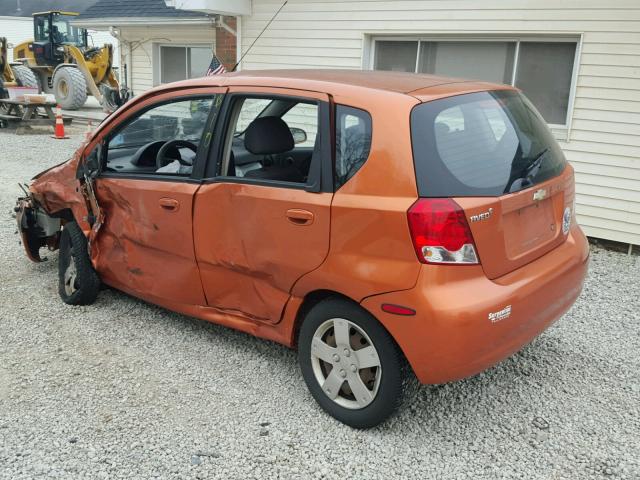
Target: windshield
(482, 144)
(60, 30)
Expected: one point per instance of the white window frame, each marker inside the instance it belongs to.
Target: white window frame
(370, 56)
(158, 50)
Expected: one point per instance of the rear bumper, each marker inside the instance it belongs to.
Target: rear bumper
(458, 330)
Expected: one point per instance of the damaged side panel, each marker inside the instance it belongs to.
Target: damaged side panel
(144, 247)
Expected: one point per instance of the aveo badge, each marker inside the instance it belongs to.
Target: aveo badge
(566, 220)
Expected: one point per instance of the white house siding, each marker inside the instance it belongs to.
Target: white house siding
(139, 49)
(20, 29)
(603, 138)
(16, 30)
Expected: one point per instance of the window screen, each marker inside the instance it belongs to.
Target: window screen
(353, 142)
(396, 56)
(182, 63)
(174, 64)
(489, 61)
(544, 74)
(542, 69)
(199, 60)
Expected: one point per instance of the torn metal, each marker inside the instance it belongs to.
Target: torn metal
(55, 197)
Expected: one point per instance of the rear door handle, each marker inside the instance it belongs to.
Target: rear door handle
(169, 204)
(298, 216)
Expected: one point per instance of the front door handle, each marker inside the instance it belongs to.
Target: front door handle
(169, 204)
(298, 216)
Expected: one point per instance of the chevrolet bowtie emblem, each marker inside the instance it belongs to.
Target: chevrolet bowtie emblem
(539, 195)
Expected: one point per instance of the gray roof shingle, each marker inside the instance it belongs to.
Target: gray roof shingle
(29, 7)
(136, 8)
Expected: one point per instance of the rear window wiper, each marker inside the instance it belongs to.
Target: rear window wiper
(526, 173)
(534, 164)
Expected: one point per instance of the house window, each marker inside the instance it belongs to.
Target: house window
(543, 69)
(182, 62)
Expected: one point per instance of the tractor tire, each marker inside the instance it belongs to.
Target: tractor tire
(70, 88)
(25, 76)
(4, 109)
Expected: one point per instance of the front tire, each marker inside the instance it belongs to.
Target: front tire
(25, 76)
(70, 88)
(78, 282)
(352, 366)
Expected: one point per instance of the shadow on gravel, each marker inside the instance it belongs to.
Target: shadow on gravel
(515, 381)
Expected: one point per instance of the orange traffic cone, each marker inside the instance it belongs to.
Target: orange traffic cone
(89, 132)
(59, 132)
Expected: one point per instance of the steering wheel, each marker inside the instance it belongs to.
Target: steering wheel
(161, 158)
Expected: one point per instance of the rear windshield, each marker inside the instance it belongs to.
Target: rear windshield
(482, 144)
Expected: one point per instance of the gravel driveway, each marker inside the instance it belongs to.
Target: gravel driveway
(123, 389)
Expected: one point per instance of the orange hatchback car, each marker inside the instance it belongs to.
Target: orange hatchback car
(384, 224)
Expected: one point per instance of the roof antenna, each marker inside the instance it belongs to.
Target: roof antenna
(263, 30)
(18, 7)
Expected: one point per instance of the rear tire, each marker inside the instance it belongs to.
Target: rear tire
(78, 282)
(25, 76)
(70, 88)
(3, 94)
(352, 366)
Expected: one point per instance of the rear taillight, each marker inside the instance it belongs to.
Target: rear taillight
(440, 232)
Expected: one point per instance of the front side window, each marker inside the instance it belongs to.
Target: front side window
(181, 63)
(542, 69)
(482, 144)
(353, 142)
(162, 140)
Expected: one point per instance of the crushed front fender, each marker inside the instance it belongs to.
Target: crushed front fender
(36, 228)
(55, 196)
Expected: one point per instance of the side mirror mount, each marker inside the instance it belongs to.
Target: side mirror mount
(92, 163)
(299, 135)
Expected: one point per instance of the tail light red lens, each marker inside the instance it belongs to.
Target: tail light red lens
(440, 232)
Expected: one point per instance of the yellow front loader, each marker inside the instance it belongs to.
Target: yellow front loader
(59, 61)
(13, 75)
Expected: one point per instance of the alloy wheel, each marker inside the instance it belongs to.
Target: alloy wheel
(345, 363)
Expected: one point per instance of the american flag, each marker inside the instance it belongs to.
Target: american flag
(215, 67)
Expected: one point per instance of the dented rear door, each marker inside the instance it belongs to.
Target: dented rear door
(254, 239)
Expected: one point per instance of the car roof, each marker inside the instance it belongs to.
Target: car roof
(335, 81)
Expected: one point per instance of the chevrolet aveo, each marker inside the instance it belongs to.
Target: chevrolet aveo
(386, 225)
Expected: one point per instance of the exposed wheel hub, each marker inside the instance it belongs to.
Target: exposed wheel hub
(70, 277)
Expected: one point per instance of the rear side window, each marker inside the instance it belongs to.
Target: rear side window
(353, 142)
(482, 144)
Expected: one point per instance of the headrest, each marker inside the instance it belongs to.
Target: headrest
(268, 136)
(441, 128)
